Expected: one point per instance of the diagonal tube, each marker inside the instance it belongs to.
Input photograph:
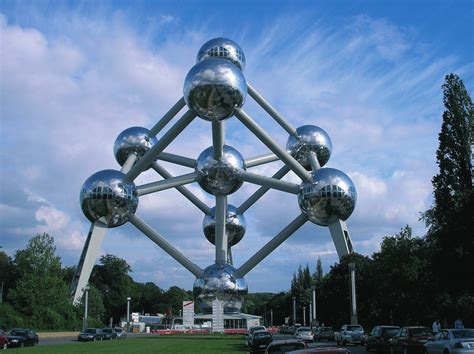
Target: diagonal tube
(269, 182)
(165, 140)
(261, 191)
(217, 139)
(177, 159)
(270, 110)
(167, 183)
(272, 145)
(221, 234)
(127, 165)
(271, 246)
(182, 189)
(165, 245)
(167, 117)
(313, 160)
(260, 160)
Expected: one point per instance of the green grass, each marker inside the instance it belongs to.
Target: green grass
(195, 343)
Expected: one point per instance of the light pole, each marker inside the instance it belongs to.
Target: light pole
(352, 284)
(271, 317)
(86, 306)
(128, 313)
(314, 304)
(310, 314)
(304, 315)
(294, 310)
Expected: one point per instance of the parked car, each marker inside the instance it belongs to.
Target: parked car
(379, 338)
(19, 337)
(109, 333)
(410, 340)
(259, 340)
(305, 334)
(285, 346)
(325, 333)
(121, 333)
(3, 340)
(350, 334)
(330, 350)
(250, 332)
(91, 334)
(451, 341)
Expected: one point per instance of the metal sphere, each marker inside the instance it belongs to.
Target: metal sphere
(330, 196)
(309, 138)
(214, 88)
(235, 226)
(222, 48)
(107, 198)
(220, 177)
(134, 140)
(218, 281)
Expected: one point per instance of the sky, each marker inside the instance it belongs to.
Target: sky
(76, 74)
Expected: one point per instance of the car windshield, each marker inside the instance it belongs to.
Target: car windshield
(354, 328)
(390, 331)
(262, 335)
(421, 331)
(463, 333)
(107, 330)
(253, 329)
(304, 329)
(90, 330)
(118, 330)
(16, 332)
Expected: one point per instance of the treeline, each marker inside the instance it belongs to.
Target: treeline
(410, 280)
(36, 291)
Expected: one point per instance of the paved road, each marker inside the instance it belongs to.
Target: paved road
(71, 340)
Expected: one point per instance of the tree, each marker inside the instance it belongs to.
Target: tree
(318, 274)
(453, 184)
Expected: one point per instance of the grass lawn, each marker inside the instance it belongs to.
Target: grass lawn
(184, 343)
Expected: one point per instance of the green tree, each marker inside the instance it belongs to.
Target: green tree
(318, 274)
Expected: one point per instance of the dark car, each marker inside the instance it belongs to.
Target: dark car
(19, 337)
(285, 346)
(410, 340)
(91, 334)
(250, 331)
(121, 334)
(3, 340)
(109, 333)
(331, 350)
(259, 340)
(379, 338)
(323, 333)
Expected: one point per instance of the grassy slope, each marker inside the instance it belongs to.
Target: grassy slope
(202, 343)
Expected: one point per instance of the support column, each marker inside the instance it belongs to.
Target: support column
(352, 282)
(314, 304)
(294, 310)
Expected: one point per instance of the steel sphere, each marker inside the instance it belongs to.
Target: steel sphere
(222, 48)
(218, 281)
(309, 138)
(214, 88)
(134, 140)
(330, 196)
(235, 226)
(219, 177)
(107, 198)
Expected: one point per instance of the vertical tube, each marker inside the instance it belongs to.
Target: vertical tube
(271, 317)
(314, 303)
(128, 314)
(294, 310)
(353, 293)
(311, 314)
(221, 234)
(86, 307)
(218, 139)
(304, 316)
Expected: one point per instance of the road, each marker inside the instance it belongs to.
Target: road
(65, 340)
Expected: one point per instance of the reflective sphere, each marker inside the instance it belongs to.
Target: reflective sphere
(330, 196)
(309, 138)
(214, 88)
(235, 226)
(219, 177)
(107, 198)
(222, 48)
(134, 140)
(218, 282)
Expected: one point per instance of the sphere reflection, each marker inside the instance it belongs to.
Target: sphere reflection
(235, 226)
(222, 48)
(134, 140)
(309, 138)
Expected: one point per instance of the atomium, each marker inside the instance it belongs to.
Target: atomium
(220, 177)
(235, 226)
(222, 48)
(309, 138)
(107, 198)
(215, 89)
(134, 140)
(330, 196)
(219, 281)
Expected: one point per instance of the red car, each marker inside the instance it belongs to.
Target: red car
(410, 340)
(3, 340)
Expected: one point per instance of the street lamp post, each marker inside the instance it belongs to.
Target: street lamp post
(304, 315)
(294, 310)
(314, 304)
(86, 306)
(271, 317)
(128, 313)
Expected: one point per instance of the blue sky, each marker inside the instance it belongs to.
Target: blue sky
(76, 74)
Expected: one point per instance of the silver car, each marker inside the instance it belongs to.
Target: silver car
(451, 341)
(304, 333)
